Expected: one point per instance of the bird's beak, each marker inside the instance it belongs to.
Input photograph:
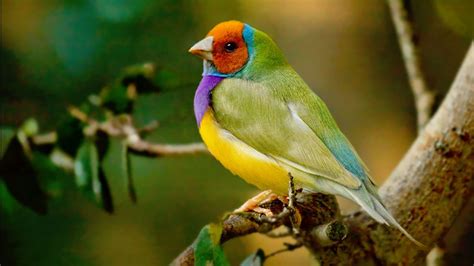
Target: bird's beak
(203, 48)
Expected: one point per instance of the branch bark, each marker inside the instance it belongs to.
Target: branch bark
(425, 193)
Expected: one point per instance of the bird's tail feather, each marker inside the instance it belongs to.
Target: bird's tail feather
(374, 207)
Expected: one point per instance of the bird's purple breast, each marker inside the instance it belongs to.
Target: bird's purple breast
(202, 98)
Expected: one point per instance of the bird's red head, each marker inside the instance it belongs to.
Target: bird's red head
(229, 50)
(224, 46)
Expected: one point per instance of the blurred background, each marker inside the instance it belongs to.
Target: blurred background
(55, 53)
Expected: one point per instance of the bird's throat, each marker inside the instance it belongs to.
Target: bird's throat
(202, 98)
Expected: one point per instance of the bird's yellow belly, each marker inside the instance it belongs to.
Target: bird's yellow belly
(241, 159)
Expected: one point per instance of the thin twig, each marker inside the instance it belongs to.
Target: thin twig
(122, 126)
(153, 149)
(407, 38)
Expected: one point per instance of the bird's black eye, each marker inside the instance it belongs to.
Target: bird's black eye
(230, 47)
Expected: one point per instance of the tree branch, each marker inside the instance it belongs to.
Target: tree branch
(318, 213)
(424, 97)
(407, 38)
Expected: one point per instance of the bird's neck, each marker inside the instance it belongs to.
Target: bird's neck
(202, 98)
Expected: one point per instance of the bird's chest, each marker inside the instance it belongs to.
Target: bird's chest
(241, 159)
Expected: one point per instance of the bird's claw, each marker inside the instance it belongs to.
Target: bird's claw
(254, 203)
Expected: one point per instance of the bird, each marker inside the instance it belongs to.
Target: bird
(262, 122)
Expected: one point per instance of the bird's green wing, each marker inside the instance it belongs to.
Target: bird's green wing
(316, 115)
(269, 120)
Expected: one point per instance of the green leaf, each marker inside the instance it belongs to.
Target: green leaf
(126, 167)
(90, 177)
(21, 178)
(207, 248)
(86, 165)
(255, 259)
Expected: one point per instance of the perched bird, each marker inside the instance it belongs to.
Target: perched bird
(259, 118)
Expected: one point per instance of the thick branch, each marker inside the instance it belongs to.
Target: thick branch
(424, 96)
(427, 190)
(318, 212)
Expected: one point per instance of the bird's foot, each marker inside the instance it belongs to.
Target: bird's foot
(254, 203)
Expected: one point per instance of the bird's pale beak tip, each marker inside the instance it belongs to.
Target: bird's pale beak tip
(203, 48)
(193, 51)
(201, 53)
